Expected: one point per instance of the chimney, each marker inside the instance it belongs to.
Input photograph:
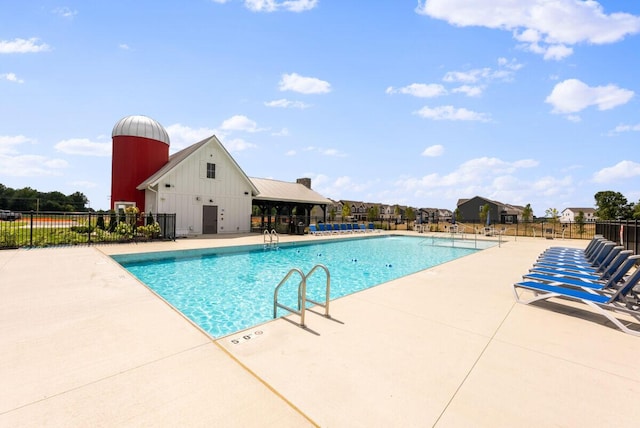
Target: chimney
(305, 182)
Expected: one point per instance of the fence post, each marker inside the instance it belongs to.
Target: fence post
(31, 229)
(89, 230)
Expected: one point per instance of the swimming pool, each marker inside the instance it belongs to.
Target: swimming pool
(225, 290)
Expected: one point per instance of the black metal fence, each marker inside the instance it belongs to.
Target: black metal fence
(535, 229)
(624, 232)
(45, 229)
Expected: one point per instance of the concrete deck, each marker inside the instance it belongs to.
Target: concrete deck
(83, 343)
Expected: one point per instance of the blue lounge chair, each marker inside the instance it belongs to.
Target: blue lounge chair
(313, 230)
(588, 255)
(363, 228)
(576, 251)
(609, 268)
(594, 262)
(624, 300)
(588, 252)
(614, 281)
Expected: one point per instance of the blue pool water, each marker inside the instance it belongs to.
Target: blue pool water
(228, 290)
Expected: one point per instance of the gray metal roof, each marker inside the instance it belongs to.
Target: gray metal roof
(274, 190)
(140, 126)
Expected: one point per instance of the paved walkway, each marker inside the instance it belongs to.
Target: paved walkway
(83, 343)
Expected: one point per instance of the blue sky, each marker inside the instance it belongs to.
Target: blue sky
(412, 102)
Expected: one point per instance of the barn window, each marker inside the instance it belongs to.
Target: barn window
(211, 170)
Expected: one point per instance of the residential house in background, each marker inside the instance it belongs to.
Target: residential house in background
(568, 215)
(499, 212)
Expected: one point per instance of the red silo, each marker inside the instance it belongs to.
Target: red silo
(140, 148)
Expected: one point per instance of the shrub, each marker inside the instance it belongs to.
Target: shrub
(113, 221)
(100, 222)
(82, 229)
(8, 239)
(150, 230)
(124, 230)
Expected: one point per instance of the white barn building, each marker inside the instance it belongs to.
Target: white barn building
(202, 184)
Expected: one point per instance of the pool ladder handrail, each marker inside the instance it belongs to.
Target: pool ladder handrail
(302, 293)
(269, 238)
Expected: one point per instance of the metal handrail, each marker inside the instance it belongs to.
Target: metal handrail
(302, 293)
(325, 305)
(302, 296)
(269, 238)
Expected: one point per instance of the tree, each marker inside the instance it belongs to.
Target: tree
(553, 215)
(580, 222)
(346, 211)
(484, 213)
(612, 205)
(332, 214)
(527, 213)
(527, 216)
(396, 212)
(411, 216)
(100, 221)
(373, 213)
(78, 200)
(457, 214)
(636, 211)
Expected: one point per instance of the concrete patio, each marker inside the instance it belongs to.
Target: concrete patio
(83, 343)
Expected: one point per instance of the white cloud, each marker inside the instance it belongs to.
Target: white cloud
(551, 186)
(433, 151)
(472, 172)
(624, 128)
(22, 46)
(290, 153)
(304, 85)
(325, 151)
(11, 77)
(420, 90)
(30, 166)
(183, 136)
(237, 145)
(470, 91)
(65, 12)
(572, 96)
(475, 81)
(239, 123)
(273, 5)
(451, 113)
(546, 27)
(284, 132)
(284, 103)
(7, 143)
(557, 52)
(621, 171)
(124, 47)
(505, 72)
(83, 147)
